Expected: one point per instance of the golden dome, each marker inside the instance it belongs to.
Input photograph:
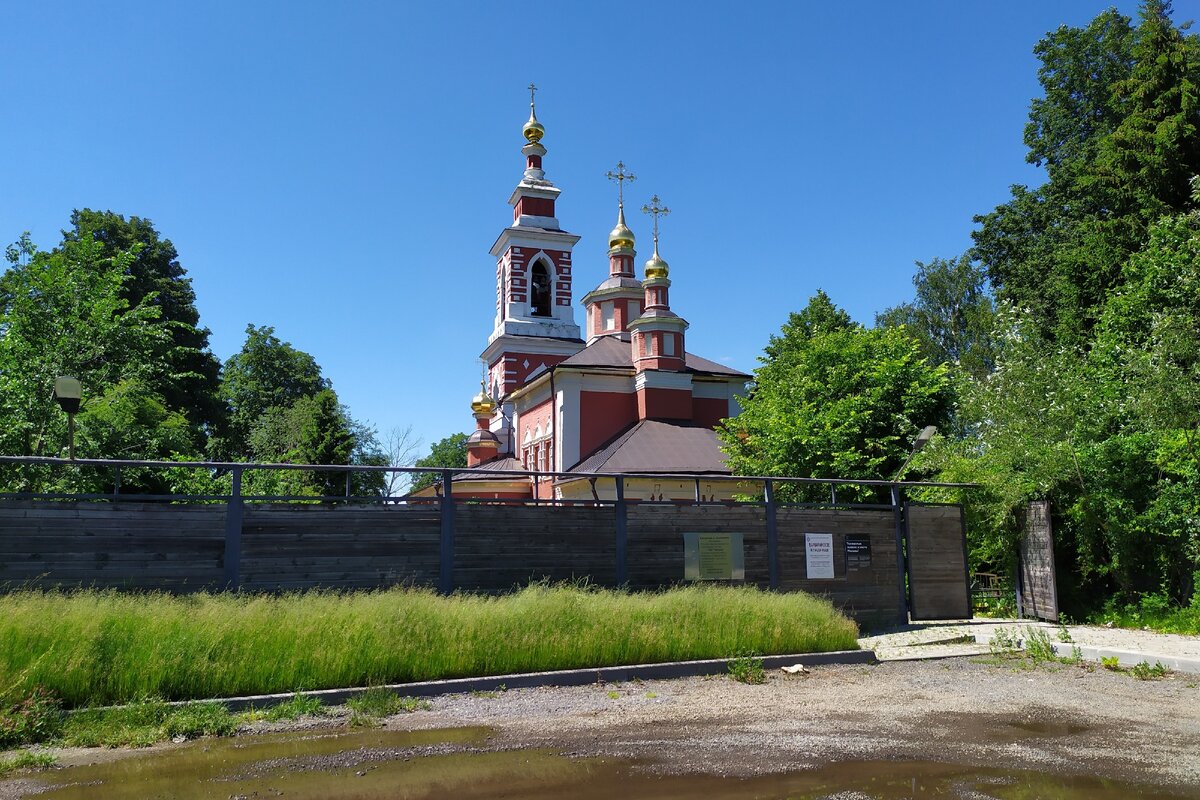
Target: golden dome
(657, 267)
(533, 130)
(482, 403)
(621, 236)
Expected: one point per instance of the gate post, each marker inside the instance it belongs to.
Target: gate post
(901, 559)
(772, 536)
(622, 532)
(446, 550)
(233, 533)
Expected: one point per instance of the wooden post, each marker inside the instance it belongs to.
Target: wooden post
(446, 552)
(233, 533)
(772, 536)
(622, 534)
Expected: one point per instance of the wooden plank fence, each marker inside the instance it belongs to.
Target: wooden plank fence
(450, 546)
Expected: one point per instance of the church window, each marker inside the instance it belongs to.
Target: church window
(668, 344)
(539, 300)
(609, 321)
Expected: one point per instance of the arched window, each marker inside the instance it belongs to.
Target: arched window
(539, 295)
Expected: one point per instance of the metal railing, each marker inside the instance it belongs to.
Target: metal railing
(444, 496)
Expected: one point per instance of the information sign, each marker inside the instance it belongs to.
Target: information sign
(818, 549)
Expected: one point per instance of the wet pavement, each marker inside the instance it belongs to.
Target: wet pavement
(399, 765)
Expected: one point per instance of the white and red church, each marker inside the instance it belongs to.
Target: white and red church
(622, 396)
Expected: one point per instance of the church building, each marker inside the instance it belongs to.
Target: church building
(619, 395)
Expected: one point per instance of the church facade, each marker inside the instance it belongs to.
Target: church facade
(616, 392)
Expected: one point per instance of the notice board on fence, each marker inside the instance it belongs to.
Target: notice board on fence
(713, 557)
(818, 556)
(1037, 595)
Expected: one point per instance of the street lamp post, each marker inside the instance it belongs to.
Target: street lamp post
(69, 393)
(922, 439)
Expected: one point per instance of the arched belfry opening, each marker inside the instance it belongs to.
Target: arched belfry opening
(539, 290)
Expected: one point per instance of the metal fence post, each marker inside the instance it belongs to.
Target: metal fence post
(233, 533)
(901, 559)
(446, 553)
(772, 536)
(622, 533)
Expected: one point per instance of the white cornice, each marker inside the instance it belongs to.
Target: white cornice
(529, 237)
(662, 379)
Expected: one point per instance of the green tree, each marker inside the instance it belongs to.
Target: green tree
(448, 452)
(265, 374)
(953, 316)
(834, 400)
(1116, 133)
(186, 371)
(65, 313)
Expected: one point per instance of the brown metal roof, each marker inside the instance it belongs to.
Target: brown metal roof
(609, 351)
(662, 447)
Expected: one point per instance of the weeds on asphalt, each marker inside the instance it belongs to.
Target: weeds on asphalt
(144, 722)
(27, 759)
(298, 706)
(372, 706)
(747, 667)
(1141, 670)
(107, 647)
(1031, 646)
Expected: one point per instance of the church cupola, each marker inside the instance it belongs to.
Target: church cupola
(617, 300)
(663, 385)
(535, 318)
(482, 445)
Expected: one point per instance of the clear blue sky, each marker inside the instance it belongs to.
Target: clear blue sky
(339, 170)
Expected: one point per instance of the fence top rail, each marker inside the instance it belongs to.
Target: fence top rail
(457, 472)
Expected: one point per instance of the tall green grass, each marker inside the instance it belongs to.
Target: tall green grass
(93, 647)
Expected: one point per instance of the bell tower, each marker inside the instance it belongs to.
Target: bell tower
(534, 327)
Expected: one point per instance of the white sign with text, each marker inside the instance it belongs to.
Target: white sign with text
(818, 549)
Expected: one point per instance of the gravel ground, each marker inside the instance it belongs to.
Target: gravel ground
(1054, 717)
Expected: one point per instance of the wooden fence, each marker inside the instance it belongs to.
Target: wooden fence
(450, 546)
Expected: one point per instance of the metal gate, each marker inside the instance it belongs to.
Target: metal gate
(939, 582)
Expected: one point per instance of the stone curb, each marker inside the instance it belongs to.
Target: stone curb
(1125, 658)
(566, 677)
(1128, 658)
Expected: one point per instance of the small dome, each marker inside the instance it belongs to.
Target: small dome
(482, 438)
(656, 267)
(533, 130)
(621, 237)
(482, 403)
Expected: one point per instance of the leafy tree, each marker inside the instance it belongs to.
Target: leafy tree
(952, 317)
(65, 313)
(186, 371)
(834, 400)
(448, 452)
(1116, 133)
(265, 374)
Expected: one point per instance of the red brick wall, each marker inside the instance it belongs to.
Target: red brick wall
(675, 404)
(708, 411)
(602, 416)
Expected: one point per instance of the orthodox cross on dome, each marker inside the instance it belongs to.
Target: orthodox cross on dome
(620, 176)
(655, 210)
(532, 91)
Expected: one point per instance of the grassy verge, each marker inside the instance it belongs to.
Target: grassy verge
(105, 647)
(26, 759)
(1156, 613)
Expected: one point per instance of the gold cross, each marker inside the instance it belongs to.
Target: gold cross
(532, 91)
(620, 176)
(655, 210)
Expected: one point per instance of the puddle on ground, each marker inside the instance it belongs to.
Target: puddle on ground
(402, 765)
